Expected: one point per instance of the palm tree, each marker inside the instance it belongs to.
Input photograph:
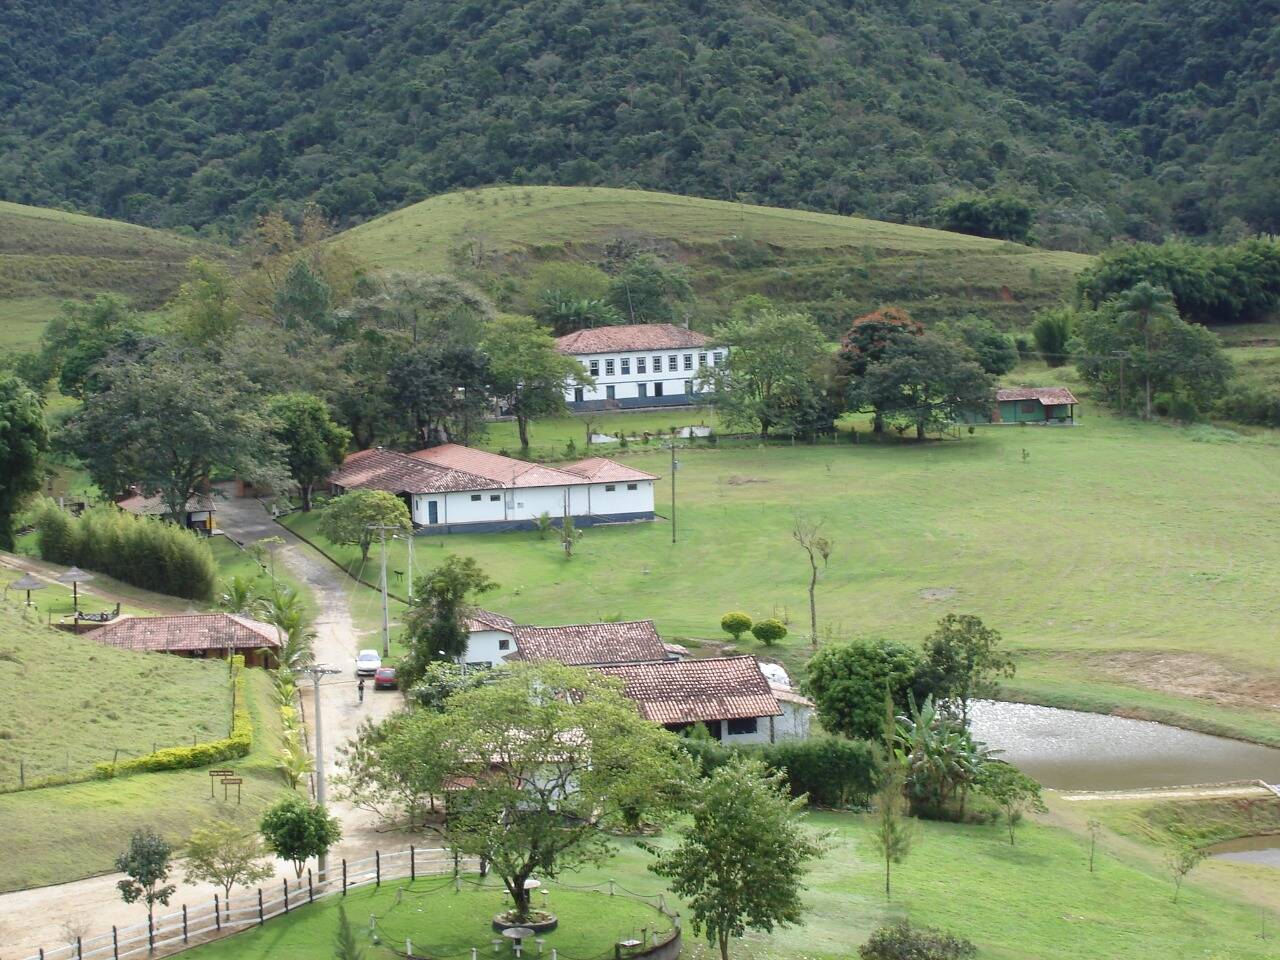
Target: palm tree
(940, 756)
(238, 595)
(1145, 308)
(285, 611)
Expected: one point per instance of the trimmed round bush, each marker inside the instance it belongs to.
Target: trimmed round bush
(769, 631)
(735, 623)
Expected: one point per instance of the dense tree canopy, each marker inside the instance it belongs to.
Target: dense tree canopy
(23, 440)
(1111, 117)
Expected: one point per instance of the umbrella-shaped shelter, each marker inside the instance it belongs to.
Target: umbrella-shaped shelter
(28, 583)
(74, 576)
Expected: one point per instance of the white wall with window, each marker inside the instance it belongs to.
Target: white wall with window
(640, 376)
(488, 647)
(529, 503)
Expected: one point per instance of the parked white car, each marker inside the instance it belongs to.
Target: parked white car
(367, 663)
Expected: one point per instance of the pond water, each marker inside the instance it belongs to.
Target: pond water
(1072, 750)
(1263, 850)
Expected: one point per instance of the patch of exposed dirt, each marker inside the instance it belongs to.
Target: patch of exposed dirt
(938, 593)
(738, 481)
(1192, 675)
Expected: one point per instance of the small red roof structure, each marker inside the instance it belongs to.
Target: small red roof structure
(382, 469)
(187, 633)
(630, 337)
(590, 644)
(604, 470)
(1048, 396)
(481, 619)
(154, 506)
(687, 691)
(507, 471)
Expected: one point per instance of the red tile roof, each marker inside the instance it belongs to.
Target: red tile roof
(488, 620)
(507, 471)
(201, 631)
(630, 337)
(582, 644)
(155, 506)
(684, 691)
(1048, 396)
(382, 469)
(604, 470)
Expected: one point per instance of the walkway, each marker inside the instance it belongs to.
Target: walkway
(48, 916)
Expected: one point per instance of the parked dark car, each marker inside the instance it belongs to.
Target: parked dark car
(384, 678)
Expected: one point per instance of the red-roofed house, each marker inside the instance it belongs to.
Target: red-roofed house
(213, 635)
(1033, 405)
(455, 489)
(638, 365)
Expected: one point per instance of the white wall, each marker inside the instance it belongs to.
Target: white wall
(794, 722)
(529, 503)
(620, 499)
(485, 646)
(627, 384)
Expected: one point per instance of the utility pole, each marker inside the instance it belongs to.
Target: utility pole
(316, 671)
(382, 529)
(409, 541)
(675, 465)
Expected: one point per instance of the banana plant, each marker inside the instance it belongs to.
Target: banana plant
(940, 756)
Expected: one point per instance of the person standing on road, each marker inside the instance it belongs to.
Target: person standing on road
(360, 688)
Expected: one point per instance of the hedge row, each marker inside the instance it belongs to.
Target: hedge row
(143, 551)
(834, 772)
(232, 747)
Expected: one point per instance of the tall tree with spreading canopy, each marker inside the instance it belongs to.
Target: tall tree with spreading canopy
(865, 344)
(963, 661)
(526, 372)
(770, 377)
(313, 444)
(206, 311)
(553, 756)
(436, 623)
(165, 423)
(23, 442)
(353, 517)
(848, 684)
(741, 861)
(228, 854)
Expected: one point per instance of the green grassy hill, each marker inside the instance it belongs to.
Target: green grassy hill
(72, 702)
(47, 256)
(836, 267)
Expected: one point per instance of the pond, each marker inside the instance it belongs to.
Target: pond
(1073, 750)
(1263, 850)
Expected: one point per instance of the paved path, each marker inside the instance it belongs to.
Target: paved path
(49, 914)
(1204, 791)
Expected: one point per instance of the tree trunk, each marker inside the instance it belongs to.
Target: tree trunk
(919, 429)
(887, 861)
(877, 422)
(813, 603)
(306, 497)
(522, 423)
(724, 945)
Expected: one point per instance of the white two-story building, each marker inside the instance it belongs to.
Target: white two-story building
(638, 365)
(456, 489)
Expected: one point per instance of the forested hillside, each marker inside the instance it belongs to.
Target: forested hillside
(1112, 117)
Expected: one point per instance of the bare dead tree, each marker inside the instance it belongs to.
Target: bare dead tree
(809, 534)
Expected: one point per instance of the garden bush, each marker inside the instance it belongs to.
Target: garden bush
(232, 747)
(769, 631)
(735, 624)
(902, 941)
(143, 551)
(833, 771)
(1254, 405)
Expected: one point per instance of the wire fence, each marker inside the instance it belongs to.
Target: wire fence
(30, 773)
(220, 916)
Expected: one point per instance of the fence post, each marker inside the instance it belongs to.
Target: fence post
(151, 932)
(286, 894)
(79, 949)
(413, 863)
(261, 918)
(184, 923)
(377, 868)
(115, 942)
(217, 912)
(311, 890)
(344, 876)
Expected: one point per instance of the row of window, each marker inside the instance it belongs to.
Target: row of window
(609, 488)
(642, 364)
(642, 390)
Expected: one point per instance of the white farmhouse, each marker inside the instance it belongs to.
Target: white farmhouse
(638, 365)
(456, 489)
(729, 696)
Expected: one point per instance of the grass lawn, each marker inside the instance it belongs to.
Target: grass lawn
(1130, 565)
(63, 833)
(963, 878)
(73, 702)
(443, 923)
(23, 319)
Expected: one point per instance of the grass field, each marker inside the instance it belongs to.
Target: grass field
(63, 833)
(1130, 565)
(837, 267)
(963, 878)
(73, 702)
(47, 256)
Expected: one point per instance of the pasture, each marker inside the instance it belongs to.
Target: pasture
(1131, 566)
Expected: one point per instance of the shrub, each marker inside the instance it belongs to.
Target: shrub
(769, 631)
(143, 551)
(735, 624)
(832, 771)
(1244, 403)
(1052, 332)
(848, 684)
(235, 745)
(902, 941)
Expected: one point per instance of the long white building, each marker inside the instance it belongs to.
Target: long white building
(638, 365)
(457, 489)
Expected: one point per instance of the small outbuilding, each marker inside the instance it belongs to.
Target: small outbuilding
(1052, 405)
(197, 515)
(197, 635)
